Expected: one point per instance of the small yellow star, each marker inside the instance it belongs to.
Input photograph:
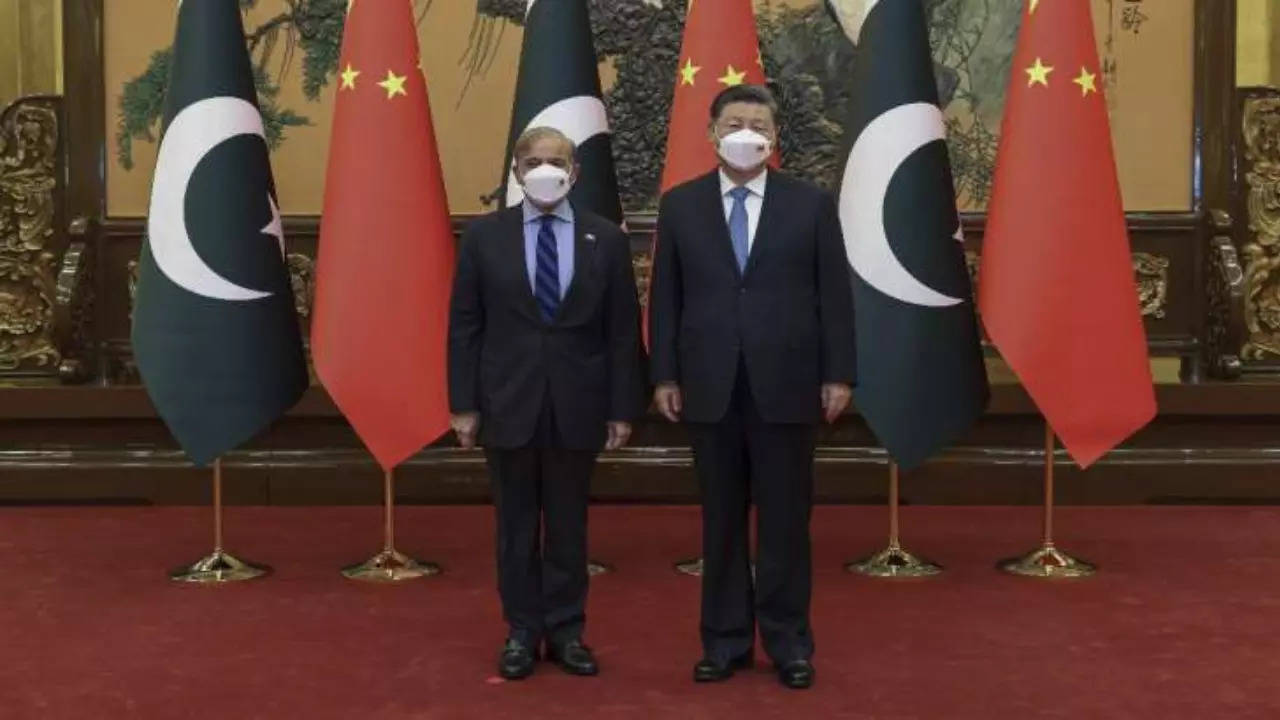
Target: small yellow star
(394, 85)
(1038, 73)
(732, 77)
(688, 71)
(349, 78)
(1086, 82)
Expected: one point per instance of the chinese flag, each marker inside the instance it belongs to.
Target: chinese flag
(720, 48)
(386, 247)
(1057, 290)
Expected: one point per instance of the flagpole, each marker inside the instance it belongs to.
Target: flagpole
(390, 565)
(894, 561)
(218, 566)
(1047, 561)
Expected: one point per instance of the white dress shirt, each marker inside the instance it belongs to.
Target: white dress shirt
(754, 202)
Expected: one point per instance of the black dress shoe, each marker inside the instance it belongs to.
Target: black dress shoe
(708, 670)
(516, 661)
(573, 657)
(797, 674)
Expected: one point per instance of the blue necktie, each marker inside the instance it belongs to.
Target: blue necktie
(738, 228)
(546, 286)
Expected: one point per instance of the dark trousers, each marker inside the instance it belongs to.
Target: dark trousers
(540, 494)
(740, 459)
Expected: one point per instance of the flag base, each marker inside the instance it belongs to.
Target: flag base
(595, 567)
(894, 562)
(691, 567)
(218, 567)
(1047, 562)
(390, 566)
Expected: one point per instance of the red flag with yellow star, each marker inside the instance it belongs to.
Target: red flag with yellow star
(1057, 290)
(386, 246)
(720, 48)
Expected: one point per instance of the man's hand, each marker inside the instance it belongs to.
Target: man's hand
(835, 400)
(465, 426)
(669, 401)
(619, 434)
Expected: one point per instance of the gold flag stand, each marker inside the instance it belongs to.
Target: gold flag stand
(390, 565)
(894, 561)
(691, 567)
(218, 566)
(1047, 561)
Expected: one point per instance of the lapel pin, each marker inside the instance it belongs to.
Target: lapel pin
(590, 237)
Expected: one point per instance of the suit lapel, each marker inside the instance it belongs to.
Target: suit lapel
(768, 216)
(516, 263)
(583, 264)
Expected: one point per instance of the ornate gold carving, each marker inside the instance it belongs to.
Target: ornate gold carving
(972, 262)
(1261, 131)
(642, 264)
(1152, 276)
(28, 262)
(132, 280)
(1225, 329)
(73, 307)
(302, 278)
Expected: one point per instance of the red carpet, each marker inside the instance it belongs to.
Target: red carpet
(1181, 623)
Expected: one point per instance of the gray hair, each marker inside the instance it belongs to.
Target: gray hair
(525, 142)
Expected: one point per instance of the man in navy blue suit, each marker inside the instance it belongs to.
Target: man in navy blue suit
(752, 343)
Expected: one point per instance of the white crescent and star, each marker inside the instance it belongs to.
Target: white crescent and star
(195, 132)
(580, 118)
(882, 147)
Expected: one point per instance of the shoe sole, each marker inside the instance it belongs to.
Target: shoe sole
(569, 670)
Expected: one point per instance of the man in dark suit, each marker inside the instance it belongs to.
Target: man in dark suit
(752, 342)
(544, 370)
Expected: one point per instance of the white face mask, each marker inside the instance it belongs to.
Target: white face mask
(547, 184)
(745, 149)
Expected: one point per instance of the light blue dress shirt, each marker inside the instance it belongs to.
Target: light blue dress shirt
(563, 227)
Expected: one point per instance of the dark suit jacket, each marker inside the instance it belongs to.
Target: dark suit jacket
(503, 357)
(789, 315)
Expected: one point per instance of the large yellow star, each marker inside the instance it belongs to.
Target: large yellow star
(688, 71)
(732, 77)
(349, 78)
(394, 85)
(1086, 82)
(1038, 73)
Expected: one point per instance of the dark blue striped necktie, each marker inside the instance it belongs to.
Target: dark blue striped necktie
(546, 286)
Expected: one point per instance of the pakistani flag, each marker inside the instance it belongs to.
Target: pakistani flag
(922, 380)
(214, 330)
(559, 87)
